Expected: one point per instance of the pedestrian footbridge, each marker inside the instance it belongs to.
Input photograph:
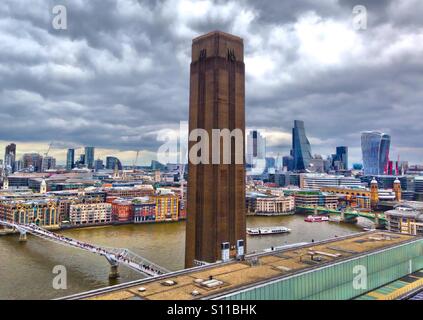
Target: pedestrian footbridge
(114, 256)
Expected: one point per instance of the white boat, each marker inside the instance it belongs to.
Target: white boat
(316, 219)
(261, 231)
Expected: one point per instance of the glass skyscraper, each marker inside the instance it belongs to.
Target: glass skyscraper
(70, 159)
(10, 157)
(301, 149)
(375, 148)
(111, 163)
(342, 156)
(89, 157)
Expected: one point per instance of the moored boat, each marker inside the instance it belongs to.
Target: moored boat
(267, 230)
(316, 218)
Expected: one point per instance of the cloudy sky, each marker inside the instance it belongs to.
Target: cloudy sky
(117, 77)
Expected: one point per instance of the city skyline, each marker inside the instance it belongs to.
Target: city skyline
(144, 158)
(284, 164)
(285, 76)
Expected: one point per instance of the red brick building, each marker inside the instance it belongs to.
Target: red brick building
(122, 211)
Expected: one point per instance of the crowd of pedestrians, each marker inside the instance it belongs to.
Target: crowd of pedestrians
(118, 257)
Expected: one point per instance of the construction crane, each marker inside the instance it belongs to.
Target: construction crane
(135, 161)
(48, 150)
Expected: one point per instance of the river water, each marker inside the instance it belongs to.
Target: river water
(26, 269)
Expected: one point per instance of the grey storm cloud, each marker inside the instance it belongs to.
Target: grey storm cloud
(119, 74)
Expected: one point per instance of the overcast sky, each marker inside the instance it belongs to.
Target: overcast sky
(118, 76)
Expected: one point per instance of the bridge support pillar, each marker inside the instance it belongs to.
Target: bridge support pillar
(114, 272)
(378, 223)
(22, 237)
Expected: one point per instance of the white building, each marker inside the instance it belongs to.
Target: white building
(316, 181)
(256, 152)
(90, 213)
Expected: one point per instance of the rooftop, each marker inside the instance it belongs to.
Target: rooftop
(221, 33)
(237, 275)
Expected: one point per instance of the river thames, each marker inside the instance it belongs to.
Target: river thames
(26, 268)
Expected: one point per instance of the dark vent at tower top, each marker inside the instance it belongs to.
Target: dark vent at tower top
(231, 55)
(203, 54)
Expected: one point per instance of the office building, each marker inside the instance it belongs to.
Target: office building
(375, 149)
(340, 159)
(48, 163)
(70, 159)
(32, 161)
(270, 205)
(288, 163)
(317, 181)
(317, 165)
(112, 162)
(10, 157)
(301, 149)
(98, 165)
(89, 157)
(418, 188)
(270, 165)
(256, 147)
(216, 192)
(316, 199)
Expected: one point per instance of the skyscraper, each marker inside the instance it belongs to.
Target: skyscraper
(70, 159)
(375, 149)
(89, 157)
(32, 161)
(98, 165)
(256, 153)
(256, 146)
(301, 149)
(216, 192)
(10, 156)
(81, 162)
(341, 157)
(112, 162)
(288, 162)
(48, 163)
(342, 154)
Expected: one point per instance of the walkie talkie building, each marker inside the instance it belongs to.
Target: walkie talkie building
(375, 148)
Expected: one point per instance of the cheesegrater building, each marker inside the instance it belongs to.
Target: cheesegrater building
(216, 192)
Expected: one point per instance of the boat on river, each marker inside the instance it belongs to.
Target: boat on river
(261, 231)
(316, 219)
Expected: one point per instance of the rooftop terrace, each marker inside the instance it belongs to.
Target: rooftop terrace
(256, 269)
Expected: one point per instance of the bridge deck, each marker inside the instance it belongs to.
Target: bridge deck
(238, 275)
(113, 255)
(324, 210)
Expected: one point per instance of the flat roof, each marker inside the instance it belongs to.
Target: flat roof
(237, 275)
(221, 33)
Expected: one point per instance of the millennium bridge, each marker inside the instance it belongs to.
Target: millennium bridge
(114, 256)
